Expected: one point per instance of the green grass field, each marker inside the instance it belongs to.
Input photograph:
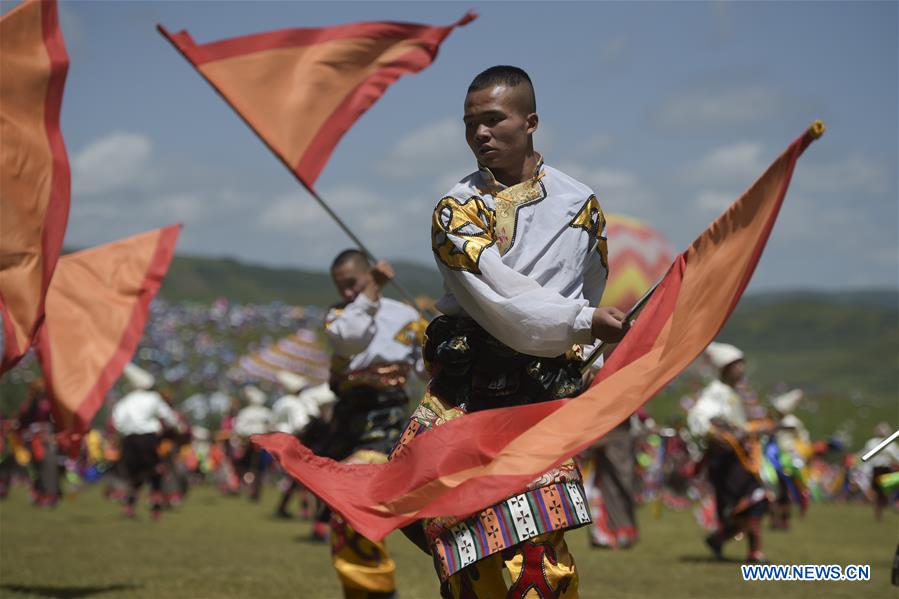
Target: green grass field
(213, 546)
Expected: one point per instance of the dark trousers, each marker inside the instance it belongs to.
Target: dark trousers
(141, 461)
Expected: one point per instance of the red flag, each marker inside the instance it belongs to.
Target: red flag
(300, 90)
(97, 308)
(471, 462)
(34, 169)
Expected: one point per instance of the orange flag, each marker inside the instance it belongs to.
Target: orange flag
(97, 307)
(300, 90)
(471, 462)
(34, 169)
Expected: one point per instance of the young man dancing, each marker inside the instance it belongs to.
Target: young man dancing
(521, 250)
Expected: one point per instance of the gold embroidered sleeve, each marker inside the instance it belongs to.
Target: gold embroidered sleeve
(591, 219)
(413, 333)
(460, 232)
(332, 315)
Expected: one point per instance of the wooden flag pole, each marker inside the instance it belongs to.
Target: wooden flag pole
(602, 346)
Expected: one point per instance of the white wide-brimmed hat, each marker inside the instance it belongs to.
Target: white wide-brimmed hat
(320, 395)
(723, 354)
(788, 402)
(254, 395)
(291, 381)
(137, 377)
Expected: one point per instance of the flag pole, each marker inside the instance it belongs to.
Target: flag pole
(815, 130)
(406, 295)
(631, 314)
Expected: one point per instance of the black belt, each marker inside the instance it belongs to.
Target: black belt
(472, 369)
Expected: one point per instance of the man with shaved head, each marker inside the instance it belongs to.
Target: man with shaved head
(375, 342)
(524, 262)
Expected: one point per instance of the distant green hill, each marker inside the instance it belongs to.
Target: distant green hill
(826, 342)
(205, 279)
(842, 348)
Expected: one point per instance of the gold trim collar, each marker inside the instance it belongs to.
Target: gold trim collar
(489, 179)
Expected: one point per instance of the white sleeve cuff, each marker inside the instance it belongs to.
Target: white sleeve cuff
(583, 323)
(367, 305)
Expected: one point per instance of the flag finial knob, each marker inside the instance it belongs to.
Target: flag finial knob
(817, 129)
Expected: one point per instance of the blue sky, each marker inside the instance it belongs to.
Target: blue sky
(668, 110)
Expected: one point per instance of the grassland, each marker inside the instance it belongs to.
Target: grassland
(214, 546)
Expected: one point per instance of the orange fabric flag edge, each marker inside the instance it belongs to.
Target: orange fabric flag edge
(26, 164)
(81, 354)
(409, 48)
(468, 463)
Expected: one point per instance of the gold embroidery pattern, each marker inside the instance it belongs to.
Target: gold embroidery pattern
(333, 314)
(508, 201)
(412, 333)
(591, 219)
(471, 222)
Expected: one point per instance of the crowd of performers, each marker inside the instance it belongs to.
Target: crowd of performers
(729, 458)
(521, 250)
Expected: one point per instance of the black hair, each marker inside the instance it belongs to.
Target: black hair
(505, 75)
(350, 255)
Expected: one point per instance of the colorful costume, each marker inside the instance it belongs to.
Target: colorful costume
(37, 430)
(523, 267)
(732, 459)
(139, 418)
(612, 489)
(254, 419)
(375, 351)
(789, 451)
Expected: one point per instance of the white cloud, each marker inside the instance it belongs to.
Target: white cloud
(387, 225)
(736, 164)
(855, 173)
(117, 161)
(618, 190)
(713, 201)
(709, 106)
(433, 149)
(180, 207)
(290, 212)
(614, 50)
(598, 144)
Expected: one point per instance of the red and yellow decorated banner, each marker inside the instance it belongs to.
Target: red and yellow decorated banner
(34, 169)
(638, 256)
(479, 459)
(300, 90)
(97, 308)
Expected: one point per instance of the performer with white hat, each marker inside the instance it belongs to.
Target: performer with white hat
(880, 464)
(140, 418)
(794, 445)
(732, 455)
(253, 419)
(290, 415)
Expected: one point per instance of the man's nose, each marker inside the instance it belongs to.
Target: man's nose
(482, 133)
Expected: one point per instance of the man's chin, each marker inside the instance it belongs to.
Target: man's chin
(491, 161)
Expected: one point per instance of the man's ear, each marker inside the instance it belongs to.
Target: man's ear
(533, 120)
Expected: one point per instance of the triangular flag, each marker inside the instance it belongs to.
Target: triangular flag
(34, 169)
(97, 308)
(471, 462)
(300, 90)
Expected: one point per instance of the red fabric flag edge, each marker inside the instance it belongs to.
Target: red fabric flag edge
(156, 270)
(377, 499)
(316, 156)
(57, 214)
